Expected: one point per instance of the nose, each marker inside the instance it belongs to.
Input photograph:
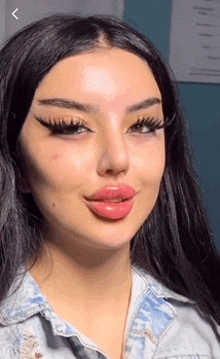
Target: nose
(114, 155)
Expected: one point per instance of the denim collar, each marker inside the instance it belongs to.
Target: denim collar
(25, 300)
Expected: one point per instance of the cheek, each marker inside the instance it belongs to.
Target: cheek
(56, 170)
(150, 167)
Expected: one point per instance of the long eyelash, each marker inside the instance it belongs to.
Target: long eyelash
(150, 122)
(154, 124)
(59, 125)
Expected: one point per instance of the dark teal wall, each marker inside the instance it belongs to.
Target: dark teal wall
(201, 103)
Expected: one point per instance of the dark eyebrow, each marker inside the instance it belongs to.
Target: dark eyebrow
(73, 105)
(84, 107)
(144, 104)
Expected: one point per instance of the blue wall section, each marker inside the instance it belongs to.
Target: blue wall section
(201, 103)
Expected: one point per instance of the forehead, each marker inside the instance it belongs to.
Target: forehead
(106, 72)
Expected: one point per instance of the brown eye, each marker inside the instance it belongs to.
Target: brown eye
(146, 125)
(62, 127)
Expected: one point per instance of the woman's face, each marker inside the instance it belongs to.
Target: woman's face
(95, 101)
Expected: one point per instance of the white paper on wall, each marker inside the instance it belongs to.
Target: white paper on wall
(195, 40)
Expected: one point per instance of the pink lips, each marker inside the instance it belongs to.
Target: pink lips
(101, 201)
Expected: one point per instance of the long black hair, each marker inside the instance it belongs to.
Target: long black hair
(175, 243)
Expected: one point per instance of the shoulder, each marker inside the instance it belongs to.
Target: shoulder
(29, 327)
(22, 340)
(173, 324)
(188, 334)
(20, 322)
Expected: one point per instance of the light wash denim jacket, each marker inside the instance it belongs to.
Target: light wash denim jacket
(161, 325)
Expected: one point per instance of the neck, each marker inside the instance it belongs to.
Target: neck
(101, 274)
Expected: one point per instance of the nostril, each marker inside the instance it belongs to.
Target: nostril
(109, 171)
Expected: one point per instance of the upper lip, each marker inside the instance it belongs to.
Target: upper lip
(113, 192)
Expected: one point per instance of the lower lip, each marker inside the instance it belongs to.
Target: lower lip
(111, 210)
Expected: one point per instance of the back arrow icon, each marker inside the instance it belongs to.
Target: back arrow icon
(13, 13)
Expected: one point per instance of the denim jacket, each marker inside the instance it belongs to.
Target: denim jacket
(161, 324)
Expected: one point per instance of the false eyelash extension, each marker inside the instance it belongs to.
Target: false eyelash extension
(169, 120)
(149, 122)
(154, 124)
(60, 126)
